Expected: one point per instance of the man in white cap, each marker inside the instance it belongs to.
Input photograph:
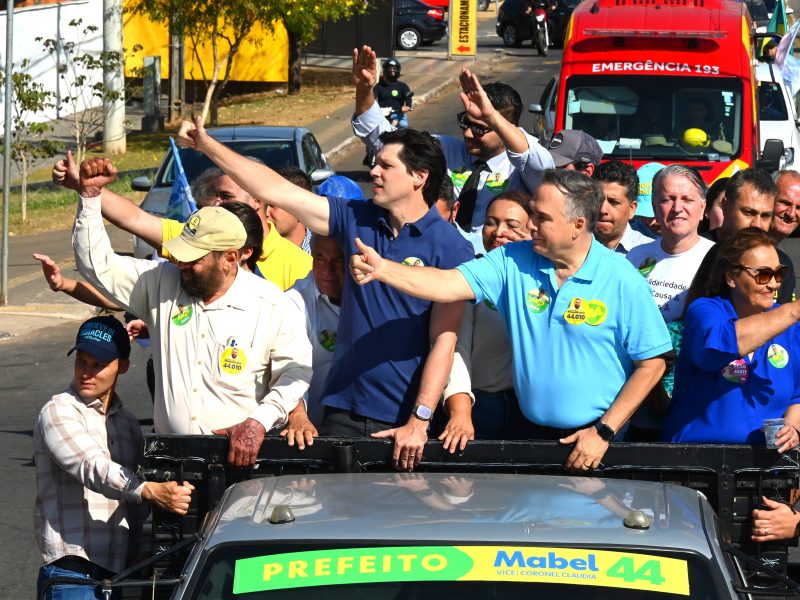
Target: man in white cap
(230, 351)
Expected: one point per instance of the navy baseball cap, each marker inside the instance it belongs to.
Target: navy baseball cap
(104, 338)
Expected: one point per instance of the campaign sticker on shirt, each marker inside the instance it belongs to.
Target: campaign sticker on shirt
(496, 184)
(537, 300)
(232, 360)
(736, 371)
(576, 313)
(327, 339)
(395, 93)
(777, 356)
(183, 315)
(596, 312)
(647, 266)
(459, 179)
(413, 261)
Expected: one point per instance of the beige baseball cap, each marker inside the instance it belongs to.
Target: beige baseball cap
(212, 228)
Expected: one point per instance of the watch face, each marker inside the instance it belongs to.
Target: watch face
(423, 412)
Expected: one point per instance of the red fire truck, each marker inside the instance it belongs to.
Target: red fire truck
(664, 80)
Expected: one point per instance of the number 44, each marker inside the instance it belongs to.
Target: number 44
(625, 569)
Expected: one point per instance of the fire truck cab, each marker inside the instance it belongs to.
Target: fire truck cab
(665, 81)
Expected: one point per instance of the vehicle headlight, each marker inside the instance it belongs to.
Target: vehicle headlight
(539, 18)
(788, 155)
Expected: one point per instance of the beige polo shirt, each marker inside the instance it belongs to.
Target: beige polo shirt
(244, 355)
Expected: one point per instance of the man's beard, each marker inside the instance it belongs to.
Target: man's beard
(201, 286)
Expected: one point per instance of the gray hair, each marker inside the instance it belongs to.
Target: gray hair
(583, 195)
(787, 172)
(678, 170)
(204, 189)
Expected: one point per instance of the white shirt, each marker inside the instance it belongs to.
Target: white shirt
(669, 275)
(322, 321)
(630, 240)
(243, 355)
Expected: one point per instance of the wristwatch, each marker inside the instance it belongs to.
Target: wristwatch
(423, 413)
(604, 431)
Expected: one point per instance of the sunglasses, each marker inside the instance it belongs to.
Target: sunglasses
(478, 130)
(764, 275)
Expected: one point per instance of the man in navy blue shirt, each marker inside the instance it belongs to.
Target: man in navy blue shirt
(393, 352)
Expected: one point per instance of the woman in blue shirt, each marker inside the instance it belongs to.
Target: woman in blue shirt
(740, 359)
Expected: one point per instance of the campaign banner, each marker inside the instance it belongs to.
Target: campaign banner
(354, 566)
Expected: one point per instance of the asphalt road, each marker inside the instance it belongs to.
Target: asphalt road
(35, 365)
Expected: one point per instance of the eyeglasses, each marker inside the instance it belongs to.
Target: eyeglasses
(478, 130)
(764, 275)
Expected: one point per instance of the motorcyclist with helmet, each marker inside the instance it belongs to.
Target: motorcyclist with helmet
(393, 96)
(394, 99)
(550, 7)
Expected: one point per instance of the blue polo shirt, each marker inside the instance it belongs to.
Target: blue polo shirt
(574, 348)
(383, 336)
(720, 396)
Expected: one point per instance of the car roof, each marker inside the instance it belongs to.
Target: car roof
(255, 132)
(525, 509)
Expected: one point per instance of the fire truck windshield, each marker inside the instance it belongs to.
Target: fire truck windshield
(685, 118)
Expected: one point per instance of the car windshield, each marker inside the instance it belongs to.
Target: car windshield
(433, 572)
(672, 118)
(274, 153)
(771, 106)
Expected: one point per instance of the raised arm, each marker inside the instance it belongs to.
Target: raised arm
(258, 180)
(117, 209)
(365, 75)
(478, 106)
(80, 290)
(754, 331)
(428, 283)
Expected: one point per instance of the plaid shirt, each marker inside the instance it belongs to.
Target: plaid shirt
(84, 479)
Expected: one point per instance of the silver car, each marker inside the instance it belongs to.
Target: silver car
(276, 146)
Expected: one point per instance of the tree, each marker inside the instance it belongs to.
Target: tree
(82, 73)
(302, 20)
(226, 25)
(27, 141)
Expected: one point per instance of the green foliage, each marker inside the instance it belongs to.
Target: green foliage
(28, 143)
(82, 73)
(304, 17)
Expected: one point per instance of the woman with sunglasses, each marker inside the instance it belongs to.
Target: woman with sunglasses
(740, 359)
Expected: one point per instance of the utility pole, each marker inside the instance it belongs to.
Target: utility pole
(177, 82)
(7, 102)
(113, 79)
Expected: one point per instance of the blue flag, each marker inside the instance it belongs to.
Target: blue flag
(181, 203)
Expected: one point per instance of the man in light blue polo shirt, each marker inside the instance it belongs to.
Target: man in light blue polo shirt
(586, 336)
(393, 351)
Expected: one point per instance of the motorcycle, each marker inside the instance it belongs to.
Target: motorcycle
(541, 34)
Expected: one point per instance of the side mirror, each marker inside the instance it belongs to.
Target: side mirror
(141, 183)
(320, 175)
(535, 109)
(771, 156)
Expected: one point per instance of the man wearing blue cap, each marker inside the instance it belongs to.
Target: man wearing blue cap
(86, 447)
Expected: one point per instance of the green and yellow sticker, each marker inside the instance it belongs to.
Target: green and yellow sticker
(574, 566)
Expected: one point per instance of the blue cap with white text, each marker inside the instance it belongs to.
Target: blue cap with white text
(104, 338)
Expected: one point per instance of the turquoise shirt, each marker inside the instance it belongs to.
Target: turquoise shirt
(574, 348)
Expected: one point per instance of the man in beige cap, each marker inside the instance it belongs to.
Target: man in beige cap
(230, 351)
